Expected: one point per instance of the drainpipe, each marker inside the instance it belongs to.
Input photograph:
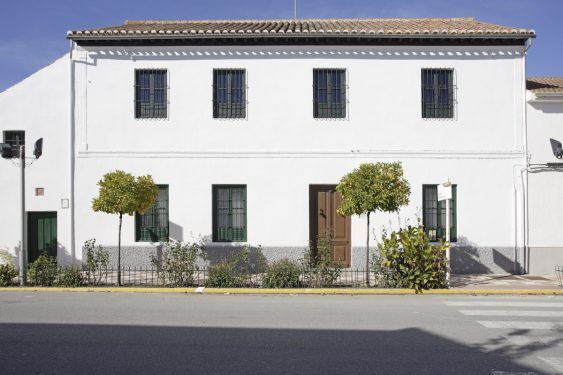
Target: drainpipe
(526, 258)
(71, 154)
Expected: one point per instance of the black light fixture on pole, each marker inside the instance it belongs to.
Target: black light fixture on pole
(7, 152)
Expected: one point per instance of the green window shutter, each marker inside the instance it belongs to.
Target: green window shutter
(229, 213)
(434, 213)
(153, 226)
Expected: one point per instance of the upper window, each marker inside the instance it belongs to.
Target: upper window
(329, 93)
(434, 213)
(151, 90)
(229, 213)
(152, 226)
(229, 93)
(437, 93)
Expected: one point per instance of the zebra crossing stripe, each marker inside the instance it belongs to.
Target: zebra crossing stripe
(513, 313)
(520, 325)
(555, 362)
(503, 304)
(522, 340)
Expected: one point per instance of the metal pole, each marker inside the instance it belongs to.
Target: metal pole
(295, 9)
(448, 239)
(23, 253)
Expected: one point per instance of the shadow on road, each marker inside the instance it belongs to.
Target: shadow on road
(107, 349)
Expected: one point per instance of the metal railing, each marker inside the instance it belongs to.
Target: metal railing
(559, 274)
(152, 277)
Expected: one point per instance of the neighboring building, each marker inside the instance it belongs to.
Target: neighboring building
(247, 126)
(545, 177)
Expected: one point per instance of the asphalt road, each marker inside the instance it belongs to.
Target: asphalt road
(118, 333)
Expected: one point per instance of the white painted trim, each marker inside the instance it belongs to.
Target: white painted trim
(402, 154)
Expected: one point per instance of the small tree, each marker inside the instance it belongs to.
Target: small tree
(370, 188)
(122, 193)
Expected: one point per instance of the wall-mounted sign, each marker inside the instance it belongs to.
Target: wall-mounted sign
(64, 203)
(444, 192)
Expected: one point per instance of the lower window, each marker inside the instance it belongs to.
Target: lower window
(229, 213)
(434, 213)
(152, 226)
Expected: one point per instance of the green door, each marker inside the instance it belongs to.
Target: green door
(42, 234)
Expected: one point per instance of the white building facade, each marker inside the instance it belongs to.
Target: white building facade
(247, 126)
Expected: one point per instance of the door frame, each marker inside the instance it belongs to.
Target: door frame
(37, 214)
(313, 224)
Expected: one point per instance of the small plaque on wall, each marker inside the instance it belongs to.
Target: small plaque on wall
(64, 203)
(39, 191)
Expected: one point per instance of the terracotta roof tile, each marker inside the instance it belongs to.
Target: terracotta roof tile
(371, 26)
(545, 84)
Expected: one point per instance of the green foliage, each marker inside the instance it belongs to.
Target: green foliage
(283, 273)
(97, 260)
(121, 193)
(7, 269)
(319, 268)
(235, 271)
(177, 265)
(7, 274)
(407, 259)
(70, 277)
(43, 271)
(373, 187)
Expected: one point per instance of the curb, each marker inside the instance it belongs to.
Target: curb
(316, 291)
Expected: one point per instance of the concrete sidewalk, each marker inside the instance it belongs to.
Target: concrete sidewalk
(505, 281)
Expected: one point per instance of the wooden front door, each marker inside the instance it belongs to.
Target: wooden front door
(323, 220)
(41, 234)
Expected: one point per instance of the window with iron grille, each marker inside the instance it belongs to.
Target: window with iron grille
(229, 93)
(437, 93)
(151, 91)
(434, 213)
(229, 213)
(329, 93)
(153, 226)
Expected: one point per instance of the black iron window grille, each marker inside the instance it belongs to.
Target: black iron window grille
(229, 213)
(434, 214)
(153, 225)
(151, 91)
(229, 93)
(329, 93)
(438, 93)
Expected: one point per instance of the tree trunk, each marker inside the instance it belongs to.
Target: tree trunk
(119, 252)
(367, 252)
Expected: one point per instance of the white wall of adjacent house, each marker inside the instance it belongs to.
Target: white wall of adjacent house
(545, 122)
(279, 149)
(39, 105)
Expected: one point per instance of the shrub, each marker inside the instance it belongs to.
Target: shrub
(178, 263)
(97, 260)
(319, 268)
(43, 271)
(7, 274)
(7, 269)
(283, 273)
(70, 277)
(407, 259)
(234, 272)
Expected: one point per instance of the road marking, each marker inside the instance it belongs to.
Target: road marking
(511, 313)
(512, 373)
(555, 362)
(520, 325)
(521, 340)
(503, 304)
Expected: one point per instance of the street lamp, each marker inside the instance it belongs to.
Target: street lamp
(7, 152)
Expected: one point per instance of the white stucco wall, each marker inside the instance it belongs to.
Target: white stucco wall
(280, 149)
(40, 106)
(545, 121)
